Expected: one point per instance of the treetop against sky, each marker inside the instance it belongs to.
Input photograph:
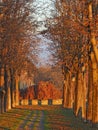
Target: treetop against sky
(43, 10)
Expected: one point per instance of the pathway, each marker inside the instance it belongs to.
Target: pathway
(42, 118)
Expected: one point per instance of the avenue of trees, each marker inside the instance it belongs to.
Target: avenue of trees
(74, 32)
(16, 28)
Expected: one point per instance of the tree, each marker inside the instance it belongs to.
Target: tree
(74, 32)
(15, 41)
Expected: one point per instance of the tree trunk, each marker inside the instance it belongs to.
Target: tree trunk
(95, 90)
(93, 40)
(17, 91)
(72, 92)
(94, 59)
(67, 103)
(12, 89)
(80, 94)
(77, 96)
(1, 88)
(84, 95)
(89, 97)
(9, 98)
(6, 89)
(2, 102)
(64, 94)
(69, 93)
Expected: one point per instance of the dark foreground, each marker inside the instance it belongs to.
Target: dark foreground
(42, 118)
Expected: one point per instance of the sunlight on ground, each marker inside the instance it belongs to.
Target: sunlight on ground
(41, 118)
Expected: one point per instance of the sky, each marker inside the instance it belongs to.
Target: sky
(44, 55)
(44, 10)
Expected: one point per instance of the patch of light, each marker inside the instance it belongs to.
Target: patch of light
(44, 9)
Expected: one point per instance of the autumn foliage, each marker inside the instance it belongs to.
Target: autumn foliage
(46, 90)
(27, 93)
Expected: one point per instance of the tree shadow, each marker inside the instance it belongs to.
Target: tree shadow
(4, 128)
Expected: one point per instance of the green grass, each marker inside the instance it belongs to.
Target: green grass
(12, 119)
(55, 118)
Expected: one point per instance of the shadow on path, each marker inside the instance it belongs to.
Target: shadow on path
(42, 118)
